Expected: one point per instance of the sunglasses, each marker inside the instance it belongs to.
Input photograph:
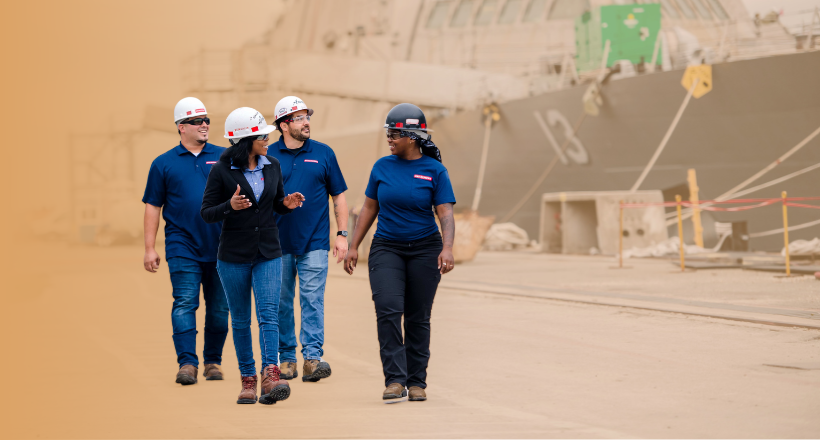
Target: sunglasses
(263, 137)
(395, 135)
(197, 121)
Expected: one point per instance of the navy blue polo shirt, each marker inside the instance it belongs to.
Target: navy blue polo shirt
(176, 183)
(313, 171)
(407, 191)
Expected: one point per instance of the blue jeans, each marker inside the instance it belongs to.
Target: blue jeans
(186, 277)
(312, 270)
(265, 276)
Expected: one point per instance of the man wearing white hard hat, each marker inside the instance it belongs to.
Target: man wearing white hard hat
(309, 167)
(244, 193)
(175, 186)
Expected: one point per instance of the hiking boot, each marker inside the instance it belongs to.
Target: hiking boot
(186, 375)
(248, 393)
(315, 369)
(288, 370)
(212, 372)
(394, 393)
(274, 388)
(417, 394)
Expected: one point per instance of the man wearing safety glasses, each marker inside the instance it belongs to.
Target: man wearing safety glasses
(308, 167)
(176, 183)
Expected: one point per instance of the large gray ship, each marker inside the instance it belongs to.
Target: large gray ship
(758, 110)
(352, 60)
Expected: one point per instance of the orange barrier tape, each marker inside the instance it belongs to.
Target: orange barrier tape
(741, 208)
(759, 204)
(800, 205)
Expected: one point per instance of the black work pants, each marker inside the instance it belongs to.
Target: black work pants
(404, 277)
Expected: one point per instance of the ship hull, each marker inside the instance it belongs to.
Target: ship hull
(756, 111)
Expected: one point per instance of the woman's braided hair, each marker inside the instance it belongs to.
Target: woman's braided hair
(428, 148)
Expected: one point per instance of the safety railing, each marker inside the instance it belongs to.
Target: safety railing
(709, 205)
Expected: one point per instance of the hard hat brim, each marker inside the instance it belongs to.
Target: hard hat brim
(310, 113)
(267, 130)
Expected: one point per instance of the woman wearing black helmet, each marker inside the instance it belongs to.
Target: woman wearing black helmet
(408, 254)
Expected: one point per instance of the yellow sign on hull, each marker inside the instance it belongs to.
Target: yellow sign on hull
(703, 74)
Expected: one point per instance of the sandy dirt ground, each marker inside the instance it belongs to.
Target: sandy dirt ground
(88, 354)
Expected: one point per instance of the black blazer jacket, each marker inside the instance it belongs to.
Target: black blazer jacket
(251, 231)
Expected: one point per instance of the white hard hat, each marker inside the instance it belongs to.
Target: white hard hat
(290, 104)
(188, 108)
(244, 122)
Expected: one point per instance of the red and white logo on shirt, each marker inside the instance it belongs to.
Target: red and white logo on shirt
(419, 176)
(311, 160)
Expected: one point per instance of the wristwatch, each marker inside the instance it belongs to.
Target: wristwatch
(342, 233)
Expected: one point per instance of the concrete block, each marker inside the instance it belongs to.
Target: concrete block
(577, 222)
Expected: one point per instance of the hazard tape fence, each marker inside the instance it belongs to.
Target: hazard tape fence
(708, 205)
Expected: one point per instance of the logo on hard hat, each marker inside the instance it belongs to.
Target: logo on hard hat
(199, 110)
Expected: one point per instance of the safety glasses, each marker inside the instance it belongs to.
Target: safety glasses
(264, 137)
(197, 121)
(395, 135)
(299, 118)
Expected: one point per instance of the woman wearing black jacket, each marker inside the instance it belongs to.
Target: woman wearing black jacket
(244, 190)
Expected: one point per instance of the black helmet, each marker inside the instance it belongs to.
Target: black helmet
(406, 117)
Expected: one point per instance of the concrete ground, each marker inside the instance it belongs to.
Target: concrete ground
(88, 354)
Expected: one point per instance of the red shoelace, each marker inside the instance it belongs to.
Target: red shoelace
(248, 383)
(272, 372)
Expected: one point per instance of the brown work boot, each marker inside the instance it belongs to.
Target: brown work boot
(212, 372)
(274, 388)
(248, 393)
(186, 375)
(315, 369)
(417, 394)
(288, 370)
(395, 393)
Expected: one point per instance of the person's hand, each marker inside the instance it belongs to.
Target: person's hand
(151, 260)
(293, 201)
(238, 202)
(350, 260)
(446, 262)
(340, 250)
